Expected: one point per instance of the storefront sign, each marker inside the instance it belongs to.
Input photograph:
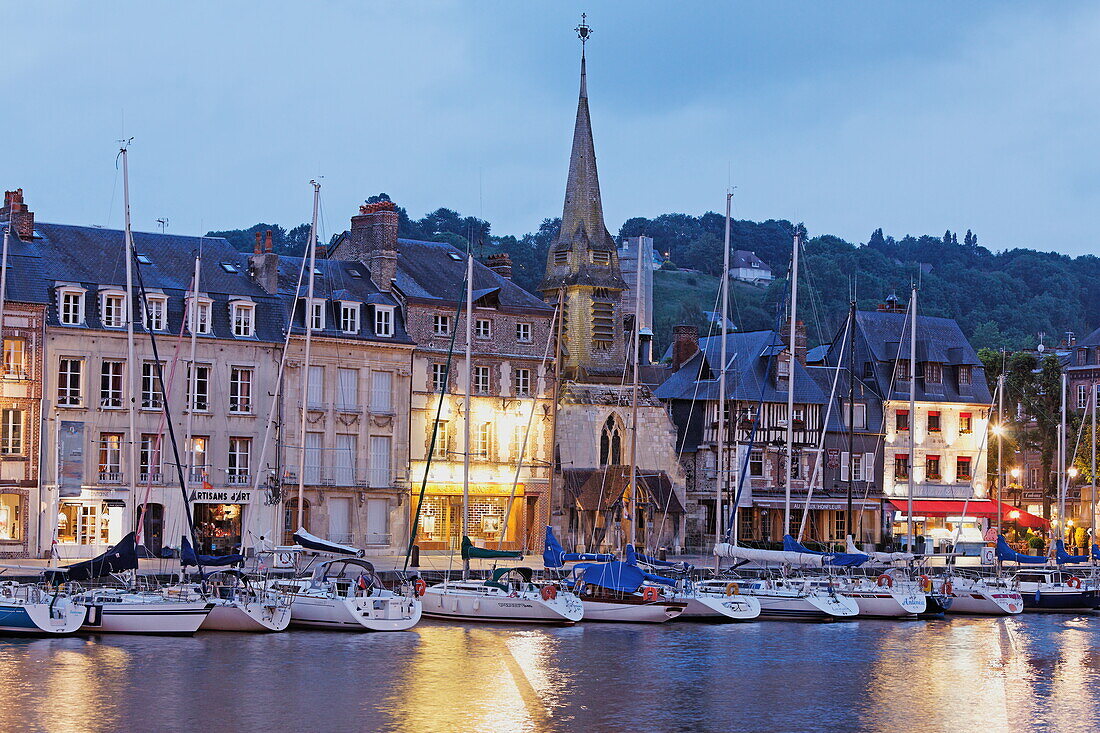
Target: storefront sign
(70, 458)
(221, 496)
(834, 458)
(475, 489)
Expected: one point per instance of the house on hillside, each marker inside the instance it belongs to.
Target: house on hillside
(747, 267)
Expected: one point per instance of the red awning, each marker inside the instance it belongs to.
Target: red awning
(974, 508)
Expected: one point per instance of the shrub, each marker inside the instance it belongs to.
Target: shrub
(1037, 543)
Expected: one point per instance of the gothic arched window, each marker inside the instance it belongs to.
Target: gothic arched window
(611, 443)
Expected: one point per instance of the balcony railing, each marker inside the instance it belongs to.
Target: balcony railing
(110, 477)
(238, 479)
(151, 477)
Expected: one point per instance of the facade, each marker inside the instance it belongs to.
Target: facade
(747, 267)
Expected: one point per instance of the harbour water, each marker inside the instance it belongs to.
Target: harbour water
(1035, 672)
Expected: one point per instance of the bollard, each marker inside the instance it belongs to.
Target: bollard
(414, 560)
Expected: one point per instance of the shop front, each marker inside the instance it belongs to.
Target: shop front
(942, 525)
(219, 519)
(440, 526)
(88, 525)
(13, 522)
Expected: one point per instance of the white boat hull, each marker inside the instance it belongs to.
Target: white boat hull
(888, 605)
(803, 607)
(716, 607)
(986, 602)
(443, 602)
(656, 612)
(252, 617)
(360, 613)
(168, 617)
(39, 618)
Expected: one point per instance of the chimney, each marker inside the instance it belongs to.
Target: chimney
(1071, 338)
(799, 340)
(501, 264)
(892, 305)
(15, 212)
(268, 246)
(373, 241)
(685, 344)
(264, 266)
(259, 244)
(322, 251)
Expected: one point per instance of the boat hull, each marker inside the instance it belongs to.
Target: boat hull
(655, 612)
(39, 619)
(719, 607)
(251, 617)
(784, 607)
(986, 603)
(1065, 600)
(888, 605)
(177, 618)
(362, 613)
(440, 602)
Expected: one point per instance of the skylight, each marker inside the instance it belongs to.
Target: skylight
(144, 259)
(229, 267)
(455, 256)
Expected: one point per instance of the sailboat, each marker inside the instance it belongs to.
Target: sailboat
(26, 608)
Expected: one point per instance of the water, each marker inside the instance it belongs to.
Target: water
(1036, 672)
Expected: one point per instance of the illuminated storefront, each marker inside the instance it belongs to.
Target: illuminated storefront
(218, 516)
(441, 516)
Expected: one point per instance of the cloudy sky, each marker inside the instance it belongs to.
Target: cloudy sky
(916, 117)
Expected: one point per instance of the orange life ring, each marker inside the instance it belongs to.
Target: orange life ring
(925, 583)
(1074, 582)
(650, 594)
(948, 588)
(420, 586)
(549, 592)
(885, 581)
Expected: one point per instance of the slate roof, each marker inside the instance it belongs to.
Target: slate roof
(743, 258)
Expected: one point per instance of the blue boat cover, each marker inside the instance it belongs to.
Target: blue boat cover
(122, 556)
(1063, 557)
(1095, 552)
(1004, 552)
(555, 556)
(617, 575)
(188, 556)
(837, 559)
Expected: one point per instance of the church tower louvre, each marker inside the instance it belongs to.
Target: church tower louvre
(582, 267)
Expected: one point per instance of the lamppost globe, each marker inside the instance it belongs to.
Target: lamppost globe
(1015, 473)
(1072, 472)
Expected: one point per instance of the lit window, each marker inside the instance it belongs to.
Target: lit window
(240, 390)
(15, 358)
(110, 384)
(349, 317)
(966, 422)
(523, 333)
(110, 457)
(11, 525)
(11, 432)
(154, 314)
(113, 310)
(962, 468)
(240, 458)
(150, 389)
(71, 307)
(243, 316)
(483, 328)
(483, 447)
(481, 379)
(383, 320)
(199, 446)
(933, 421)
(69, 379)
(441, 325)
(522, 381)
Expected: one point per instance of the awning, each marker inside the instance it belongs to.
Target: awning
(974, 508)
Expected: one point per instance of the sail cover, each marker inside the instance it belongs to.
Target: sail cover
(555, 556)
(769, 557)
(1004, 552)
(836, 559)
(122, 556)
(880, 557)
(617, 575)
(1063, 557)
(469, 550)
(188, 556)
(313, 542)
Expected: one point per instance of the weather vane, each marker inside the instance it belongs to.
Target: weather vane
(583, 30)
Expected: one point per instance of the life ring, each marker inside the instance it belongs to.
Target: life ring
(733, 589)
(885, 581)
(948, 588)
(650, 594)
(925, 583)
(549, 592)
(1074, 582)
(420, 586)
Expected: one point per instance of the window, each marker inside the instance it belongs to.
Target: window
(962, 468)
(441, 325)
(150, 389)
(383, 321)
(840, 524)
(143, 259)
(799, 415)
(601, 257)
(868, 370)
(15, 358)
(1082, 396)
(603, 325)
(611, 443)
(290, 519)
(240, 457)
(859, 414)
(933, 372)
(198, 385)
(71, 307)
(439, 378)
(110, 384)
(69, 375)
(857, 467)
(112, 310)
(901, 467)
(317, 315)
(441, 437)
(11, 520)
(932, 468)
(315, 390)
(933, 421)
(11, 432)
(312, 463)
(523, 333)
(380, 450)
(243, 316)
(110, 458)
(483, 328)
(756, 464)
(481, 380)
(154, 313)
(901, 420)
(198, 320)
(149, 459)
(199, 464)
(783, 366)
(966, 375)
(521, 379)
(381, 391)
(347, 449)
(349, 317)
(1082, 357)
(561, 257)
(483, 441)
(903, 370)
(966, 422)
(240, 390)
(347, 389)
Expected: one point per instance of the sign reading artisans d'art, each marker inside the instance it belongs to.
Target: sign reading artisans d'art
(70, 458)
(221, 496)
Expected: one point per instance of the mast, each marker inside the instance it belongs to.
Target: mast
(1063, 450)
(634, 397)
(1000, 441)
(912, 417)
(790, 380)
(4, 272)
(192, 386)
(131, 362)
(554, 404)
(720, 484)
(308, 323)
(1092, 464)
(467, 376)
(851, 413)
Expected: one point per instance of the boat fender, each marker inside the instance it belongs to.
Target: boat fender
(549, 592)
(420, 586)
(733, 589)
(1074, 582)
(948, 588)
(925, 584)
(650, 594)
(885, 581)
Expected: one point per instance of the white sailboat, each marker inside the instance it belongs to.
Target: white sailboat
(27, 609)
(347, 594)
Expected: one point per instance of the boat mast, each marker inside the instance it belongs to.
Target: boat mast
(790, 379)
(307, 318)
(634, 397)
(720, 485)
(1000, 441)
(851, 414)
(1063, 450)
(1092, 467)
(467, 376)
(192, 382)
(557, 326)
(131, 362)
(912, 418)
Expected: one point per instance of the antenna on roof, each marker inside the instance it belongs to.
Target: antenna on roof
(163, 224)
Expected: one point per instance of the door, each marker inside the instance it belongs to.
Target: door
(339, 520)
(378, 521)
(152, 530)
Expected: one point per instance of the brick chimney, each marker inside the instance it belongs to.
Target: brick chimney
(15, 211)
(501, 264)
(799, 340)
(373, 241)
(264, 267)
(685, 344)
(259, 244)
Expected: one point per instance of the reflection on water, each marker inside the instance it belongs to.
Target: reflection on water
(968, 675)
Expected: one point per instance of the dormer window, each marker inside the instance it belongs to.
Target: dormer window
(199, 315)
(383, 320)
(112, 309)
(242, 314)
(154, 313)
(966, 375)
(317, 315)
(933, 372)
(1082, 357)
(70, 306)
(783, 365)
(349, 317)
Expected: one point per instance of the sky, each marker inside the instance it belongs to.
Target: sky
(913, 117)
